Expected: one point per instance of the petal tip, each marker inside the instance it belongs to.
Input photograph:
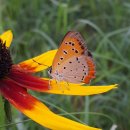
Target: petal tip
(8, 32)
(115, 86)
(7, 37)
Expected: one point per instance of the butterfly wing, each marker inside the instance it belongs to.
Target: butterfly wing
(74, 55)
(78, 69)
(68, 48)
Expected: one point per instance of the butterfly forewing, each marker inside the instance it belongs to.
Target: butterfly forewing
(70, 46)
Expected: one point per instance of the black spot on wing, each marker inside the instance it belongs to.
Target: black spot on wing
(65, 52)
(82, 77)
(72, 44)
(77, 58)
(76, 51)
(61, 58)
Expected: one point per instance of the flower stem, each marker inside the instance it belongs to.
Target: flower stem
(2, 114)
(86, 118)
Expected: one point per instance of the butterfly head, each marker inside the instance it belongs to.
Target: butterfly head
(55, 75)
(50, 70)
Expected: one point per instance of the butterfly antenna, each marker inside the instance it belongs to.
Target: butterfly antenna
(40, 63)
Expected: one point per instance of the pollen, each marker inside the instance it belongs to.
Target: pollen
(5, 60)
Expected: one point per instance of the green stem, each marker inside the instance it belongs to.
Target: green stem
(65, 17)
(2, 114)
(1, 27)
(86, 110)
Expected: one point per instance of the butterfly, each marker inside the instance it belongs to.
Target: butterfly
(73, 62)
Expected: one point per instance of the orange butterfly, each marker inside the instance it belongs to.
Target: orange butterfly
(73, 62)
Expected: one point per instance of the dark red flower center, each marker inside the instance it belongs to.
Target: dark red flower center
(5, 60)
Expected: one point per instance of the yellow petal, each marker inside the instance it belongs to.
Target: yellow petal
(7, 37)
(40, 62)
(50, 120)
(77, 89)
(36, 110)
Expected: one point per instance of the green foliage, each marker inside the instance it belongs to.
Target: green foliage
(39, 25)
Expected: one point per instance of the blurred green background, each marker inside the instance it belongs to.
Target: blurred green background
(40, 25)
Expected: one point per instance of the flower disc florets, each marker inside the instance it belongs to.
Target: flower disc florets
(5, 60)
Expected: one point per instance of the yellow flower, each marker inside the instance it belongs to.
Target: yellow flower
(15, 79)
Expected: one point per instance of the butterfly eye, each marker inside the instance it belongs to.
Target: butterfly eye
(50, 70)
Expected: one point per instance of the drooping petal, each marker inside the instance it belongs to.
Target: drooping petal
(27, 80)
(7, 37)
(37, 111)
(40, 62)
(65, 88)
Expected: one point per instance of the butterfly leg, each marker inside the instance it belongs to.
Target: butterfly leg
(60, 86)
(67, 86)
(64, 86)
(50, 80)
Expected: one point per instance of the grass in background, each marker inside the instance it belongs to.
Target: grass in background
(39, 25)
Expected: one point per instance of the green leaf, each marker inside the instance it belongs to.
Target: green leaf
(7, 109)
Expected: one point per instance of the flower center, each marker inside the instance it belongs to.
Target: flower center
(5, 60)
